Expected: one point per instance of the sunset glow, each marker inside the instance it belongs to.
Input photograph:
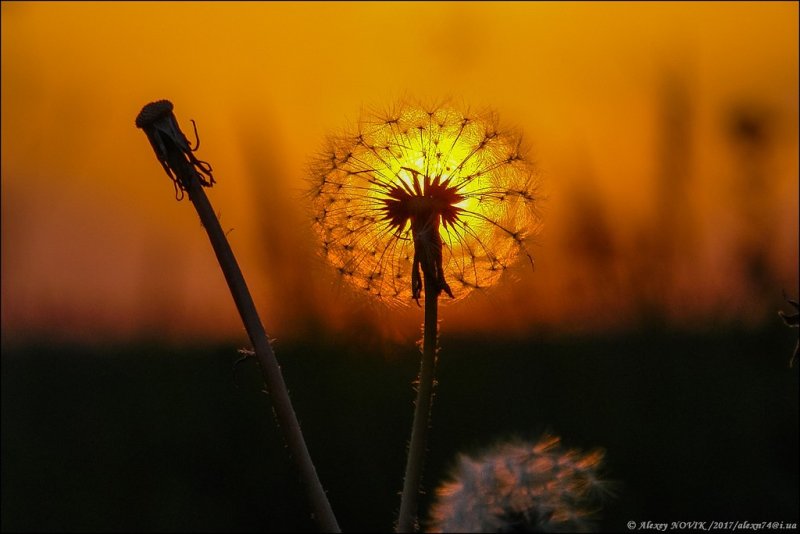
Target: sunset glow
(664, 138)
(363, 266)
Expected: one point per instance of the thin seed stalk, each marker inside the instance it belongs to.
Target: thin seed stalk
(189, 174)
(407, 518)
(270, 370)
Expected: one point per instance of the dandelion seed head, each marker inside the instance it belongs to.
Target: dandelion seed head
(521, 487)
(379, 187)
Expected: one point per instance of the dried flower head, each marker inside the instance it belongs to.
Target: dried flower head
(521, 487)
(172, 148)
(423, 190)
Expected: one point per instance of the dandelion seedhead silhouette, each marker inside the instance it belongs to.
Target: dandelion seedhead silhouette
(521, 487)
(423, 190)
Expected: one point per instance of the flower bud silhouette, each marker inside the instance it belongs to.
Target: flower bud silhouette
(521, 487)
(423, 190)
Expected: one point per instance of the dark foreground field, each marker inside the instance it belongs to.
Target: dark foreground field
(696, 427)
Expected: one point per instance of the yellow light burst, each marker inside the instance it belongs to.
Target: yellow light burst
(378, 189)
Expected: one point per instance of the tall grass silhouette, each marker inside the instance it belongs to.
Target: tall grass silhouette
(190, 175)
(419, 201)
(521, 487)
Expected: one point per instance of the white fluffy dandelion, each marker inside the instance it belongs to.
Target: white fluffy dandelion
(415, 199)
(423, 190)
(521, 487)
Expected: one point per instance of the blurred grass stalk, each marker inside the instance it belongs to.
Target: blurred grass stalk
(189, 174)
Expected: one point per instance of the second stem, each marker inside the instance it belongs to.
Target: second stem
(270, 370)
(407, 519)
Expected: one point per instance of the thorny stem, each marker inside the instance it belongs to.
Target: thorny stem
(407, 518)
(270, 370)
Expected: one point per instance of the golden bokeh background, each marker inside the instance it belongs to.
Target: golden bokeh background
(666, 135)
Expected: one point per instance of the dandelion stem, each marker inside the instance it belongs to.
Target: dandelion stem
(407, 518)
(174, 158)
(270, 370)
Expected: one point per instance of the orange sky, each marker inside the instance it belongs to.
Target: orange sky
(653, 198)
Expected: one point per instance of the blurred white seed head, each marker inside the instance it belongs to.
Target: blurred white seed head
(376, 188)
(521, 487)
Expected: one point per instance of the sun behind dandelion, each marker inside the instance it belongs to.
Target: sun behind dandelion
(423, 190)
